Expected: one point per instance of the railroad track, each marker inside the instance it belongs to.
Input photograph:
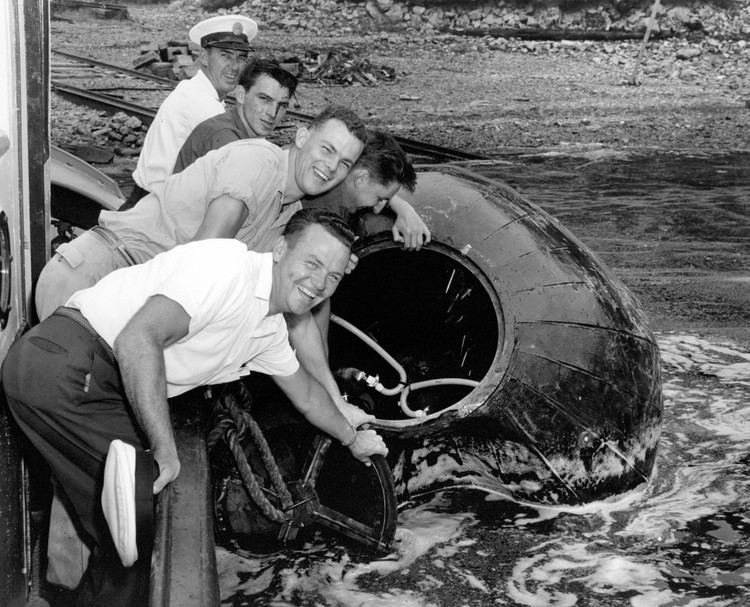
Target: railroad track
(104, 9)
(118, 96)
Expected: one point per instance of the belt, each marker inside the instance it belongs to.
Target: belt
(78, 318)
(114, 243)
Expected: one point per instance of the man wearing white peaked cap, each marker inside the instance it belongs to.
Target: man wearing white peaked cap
(225, 44)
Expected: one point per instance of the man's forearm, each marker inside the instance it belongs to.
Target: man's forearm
(399, 205)
(311, 399)
(142, 370)
(139, 350)
(328, 417)
(307, 340)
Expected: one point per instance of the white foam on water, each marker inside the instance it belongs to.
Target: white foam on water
(333, 578)
(334, 583)
(537, 578)
(606, 509)
(532, 584)
(684, 353)
(706, 432)
(629, 548)
(232, 568)
(541, 579)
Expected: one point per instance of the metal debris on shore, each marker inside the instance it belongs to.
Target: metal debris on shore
(343, 66)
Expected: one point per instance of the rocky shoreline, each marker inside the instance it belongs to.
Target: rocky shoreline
(485, 94)
(725, 20)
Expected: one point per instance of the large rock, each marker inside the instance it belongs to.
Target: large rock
(551, 16)
(689, 52)
(680, 14)
(395, 13)
(215, 5)
(374, 11)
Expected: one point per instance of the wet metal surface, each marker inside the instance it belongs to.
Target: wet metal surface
(569, 410)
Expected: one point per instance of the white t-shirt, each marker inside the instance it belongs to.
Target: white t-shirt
(190, 103)
(224, 288)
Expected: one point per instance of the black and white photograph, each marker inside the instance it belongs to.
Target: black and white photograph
(375, 303)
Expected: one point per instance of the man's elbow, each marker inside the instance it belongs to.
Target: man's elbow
(130, 343)
(122, 346)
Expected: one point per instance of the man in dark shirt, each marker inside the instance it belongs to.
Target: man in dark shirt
(268, 88)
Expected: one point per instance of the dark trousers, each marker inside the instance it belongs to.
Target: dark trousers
(66, 394)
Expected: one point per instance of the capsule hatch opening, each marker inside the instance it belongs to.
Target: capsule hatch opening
(413, 333)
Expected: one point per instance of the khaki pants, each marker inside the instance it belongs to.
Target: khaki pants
(78, 264)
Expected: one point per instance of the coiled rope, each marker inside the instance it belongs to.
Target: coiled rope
(233, 423)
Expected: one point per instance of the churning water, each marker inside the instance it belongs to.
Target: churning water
(681, 539)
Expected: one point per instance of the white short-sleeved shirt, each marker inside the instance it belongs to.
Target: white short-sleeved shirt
(190, 103)
(224, 288)
(251, 170)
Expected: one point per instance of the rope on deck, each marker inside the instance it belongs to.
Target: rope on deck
(232, 425)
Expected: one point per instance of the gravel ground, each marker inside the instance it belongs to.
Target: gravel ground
(486, 95)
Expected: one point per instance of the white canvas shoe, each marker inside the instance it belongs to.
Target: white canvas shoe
(118, 499)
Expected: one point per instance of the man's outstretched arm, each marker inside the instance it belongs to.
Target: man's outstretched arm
(305, 336)
(310, 399)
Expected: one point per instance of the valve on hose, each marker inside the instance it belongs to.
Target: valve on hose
(349, 381)
(403, 388)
